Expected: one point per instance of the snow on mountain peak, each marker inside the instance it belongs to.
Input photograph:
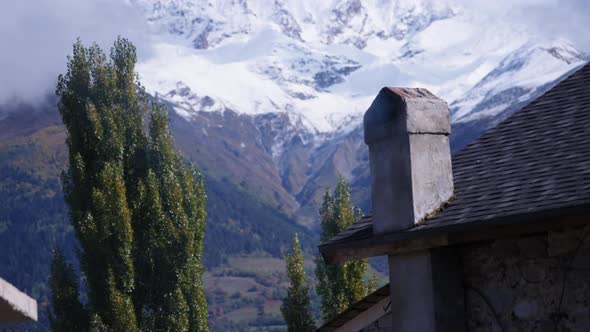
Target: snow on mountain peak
(324, 61)
(517, 77)
(206, 23)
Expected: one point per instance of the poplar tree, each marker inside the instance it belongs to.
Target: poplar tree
(339, 285)
(296, 308)
(70, 315)
(137, 210)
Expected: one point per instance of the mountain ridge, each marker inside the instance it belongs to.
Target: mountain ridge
(305, 82)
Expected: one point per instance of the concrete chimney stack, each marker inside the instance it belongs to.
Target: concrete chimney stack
(407, 131)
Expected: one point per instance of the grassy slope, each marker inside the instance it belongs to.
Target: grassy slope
(248, 290)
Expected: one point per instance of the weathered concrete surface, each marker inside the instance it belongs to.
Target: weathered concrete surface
(410, 161)
(416, 110)
(383, 324)
(432, 173)
(426, 292)
(449, 294)
(391, 185)
(412, 294)
(15, 306)
(516, 284)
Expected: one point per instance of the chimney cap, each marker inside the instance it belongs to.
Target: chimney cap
(411, 93)
(415, 110)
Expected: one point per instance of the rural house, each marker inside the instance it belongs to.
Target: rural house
(15, 306)
(495, 238)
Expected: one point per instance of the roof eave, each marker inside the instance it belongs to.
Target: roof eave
(15, 306)
(445, 235)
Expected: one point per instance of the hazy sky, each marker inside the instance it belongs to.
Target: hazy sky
(36, 35)
(558, 18)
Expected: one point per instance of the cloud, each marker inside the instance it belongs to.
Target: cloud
(36, 36)
(567, 19)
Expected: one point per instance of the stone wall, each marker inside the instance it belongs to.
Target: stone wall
(383, 324)
(533, 283)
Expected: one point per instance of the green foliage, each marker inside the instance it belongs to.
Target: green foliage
(242, 223)
(296, 308)
(339, 285)
(137, 210)
(70, 315)
(372, 284)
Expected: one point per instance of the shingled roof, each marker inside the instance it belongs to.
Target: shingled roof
(535, 163)
(356, 309)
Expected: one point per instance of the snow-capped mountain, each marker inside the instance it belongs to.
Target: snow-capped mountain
(295, 56)
(323, 61)
(515, 77)
(522, 76)
(303, 72)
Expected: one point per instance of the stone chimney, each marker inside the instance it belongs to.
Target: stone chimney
(407, 131)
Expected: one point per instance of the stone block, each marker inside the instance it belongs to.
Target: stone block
(505, 248)
(559, 243)
(582, 260)
(532, 272)
(501, 298)
(526, 309)
(533, 247)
